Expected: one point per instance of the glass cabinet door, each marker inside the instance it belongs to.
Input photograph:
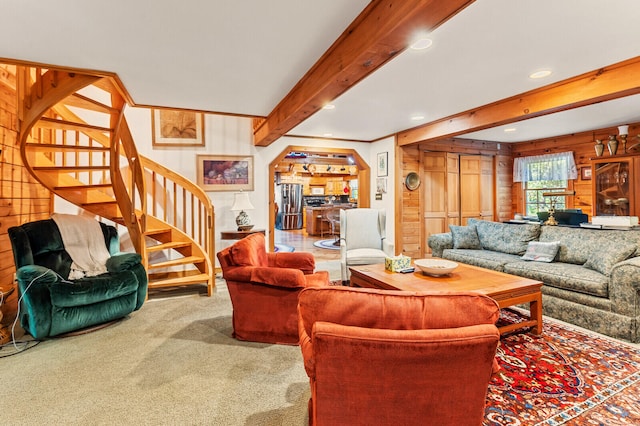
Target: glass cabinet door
(611, 188)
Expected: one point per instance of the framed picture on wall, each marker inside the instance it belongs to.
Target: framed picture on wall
(225, 172)
(585, 173)
(383, 158)
(176, 128)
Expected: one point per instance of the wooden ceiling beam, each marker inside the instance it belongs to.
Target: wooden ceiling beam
(378, 34)
(605, 84)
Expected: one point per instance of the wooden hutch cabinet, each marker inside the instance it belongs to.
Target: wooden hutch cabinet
(615, 182)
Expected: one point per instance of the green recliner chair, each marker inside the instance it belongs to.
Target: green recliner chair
(50, 303)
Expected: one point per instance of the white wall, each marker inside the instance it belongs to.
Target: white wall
(388, 198)
(226, 135)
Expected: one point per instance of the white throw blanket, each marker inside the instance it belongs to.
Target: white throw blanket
(83, 240)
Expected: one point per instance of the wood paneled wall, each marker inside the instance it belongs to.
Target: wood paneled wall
(508, 195)
(582, 146)
(22, 199)
(408, 220)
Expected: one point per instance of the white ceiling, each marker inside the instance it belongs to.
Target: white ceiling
(242, 57)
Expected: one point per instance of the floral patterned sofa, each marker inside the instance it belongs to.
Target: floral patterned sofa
(591, 280)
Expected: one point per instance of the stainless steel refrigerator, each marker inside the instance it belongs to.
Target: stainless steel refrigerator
(290, 206)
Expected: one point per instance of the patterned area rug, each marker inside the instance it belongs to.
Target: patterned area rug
(283, 248)
(327, 244)
(566, 376)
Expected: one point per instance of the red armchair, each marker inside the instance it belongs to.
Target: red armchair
(264, 289)
(397, 358)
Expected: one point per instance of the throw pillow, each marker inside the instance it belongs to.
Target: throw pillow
(541, 251)
(603, 261)
(465, 237)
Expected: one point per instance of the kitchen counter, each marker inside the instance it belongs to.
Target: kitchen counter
(314, 218)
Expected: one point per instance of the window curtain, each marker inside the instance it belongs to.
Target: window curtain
(560, 166)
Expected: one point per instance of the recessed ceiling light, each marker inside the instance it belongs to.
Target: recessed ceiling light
(540, 74)
(329, 106)
(510, 129)
(421, 43)
(328, 135)
(417, 117)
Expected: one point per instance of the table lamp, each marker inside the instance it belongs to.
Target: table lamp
(242, 203)
(551, 221)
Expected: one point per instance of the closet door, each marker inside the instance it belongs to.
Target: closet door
(453, 189)
(476, 187)
(470, 187)
(434, 187)
(487, 185)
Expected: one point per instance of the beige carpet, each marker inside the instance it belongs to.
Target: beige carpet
(174, 362)
(332, 266)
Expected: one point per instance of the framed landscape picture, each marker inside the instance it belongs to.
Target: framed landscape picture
(225, 172)
(176, 128)
(383, 157)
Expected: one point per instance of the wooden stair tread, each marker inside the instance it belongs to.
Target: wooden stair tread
(176, 281)
(80, 101)
(169, 245)
(57, 147)
(175, 262)
(97, 203)
(67, 169)
(53, 123)
(82, 187)
(156, 231)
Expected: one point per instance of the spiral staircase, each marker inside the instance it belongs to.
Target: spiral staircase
(75, 141)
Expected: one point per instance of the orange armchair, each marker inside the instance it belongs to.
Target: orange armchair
(264, 289)
(393, 357)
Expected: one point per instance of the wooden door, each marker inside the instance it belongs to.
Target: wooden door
(470, 184)
(487, 185)
(453, 189)
(477, 187)
(434, 191)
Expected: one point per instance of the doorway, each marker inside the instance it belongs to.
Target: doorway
(362, 175)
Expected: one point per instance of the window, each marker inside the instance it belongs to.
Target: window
(544, 173)
(534, 200)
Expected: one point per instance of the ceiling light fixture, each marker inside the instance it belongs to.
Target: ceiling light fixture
(417, 117)
(510, 129)
(329, 106)
(328, 135)
(540, 74)
(421, 43)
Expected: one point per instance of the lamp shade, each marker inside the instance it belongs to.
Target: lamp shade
(623, 130)
(241, 202)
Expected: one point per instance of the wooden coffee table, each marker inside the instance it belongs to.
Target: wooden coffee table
(507, 290)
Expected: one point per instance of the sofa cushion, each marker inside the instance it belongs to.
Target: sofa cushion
(494, 260)
(562, 275)
(365, 256)
(541, 251)
(465, 237)
(604, 260)
(505, 237)
(577, 244)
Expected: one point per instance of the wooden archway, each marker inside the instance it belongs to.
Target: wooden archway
(364, 173)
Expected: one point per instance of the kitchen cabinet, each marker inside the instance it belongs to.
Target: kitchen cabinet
(315, 224)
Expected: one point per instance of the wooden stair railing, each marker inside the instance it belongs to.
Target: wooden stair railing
(84, 153)
(178, 205)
